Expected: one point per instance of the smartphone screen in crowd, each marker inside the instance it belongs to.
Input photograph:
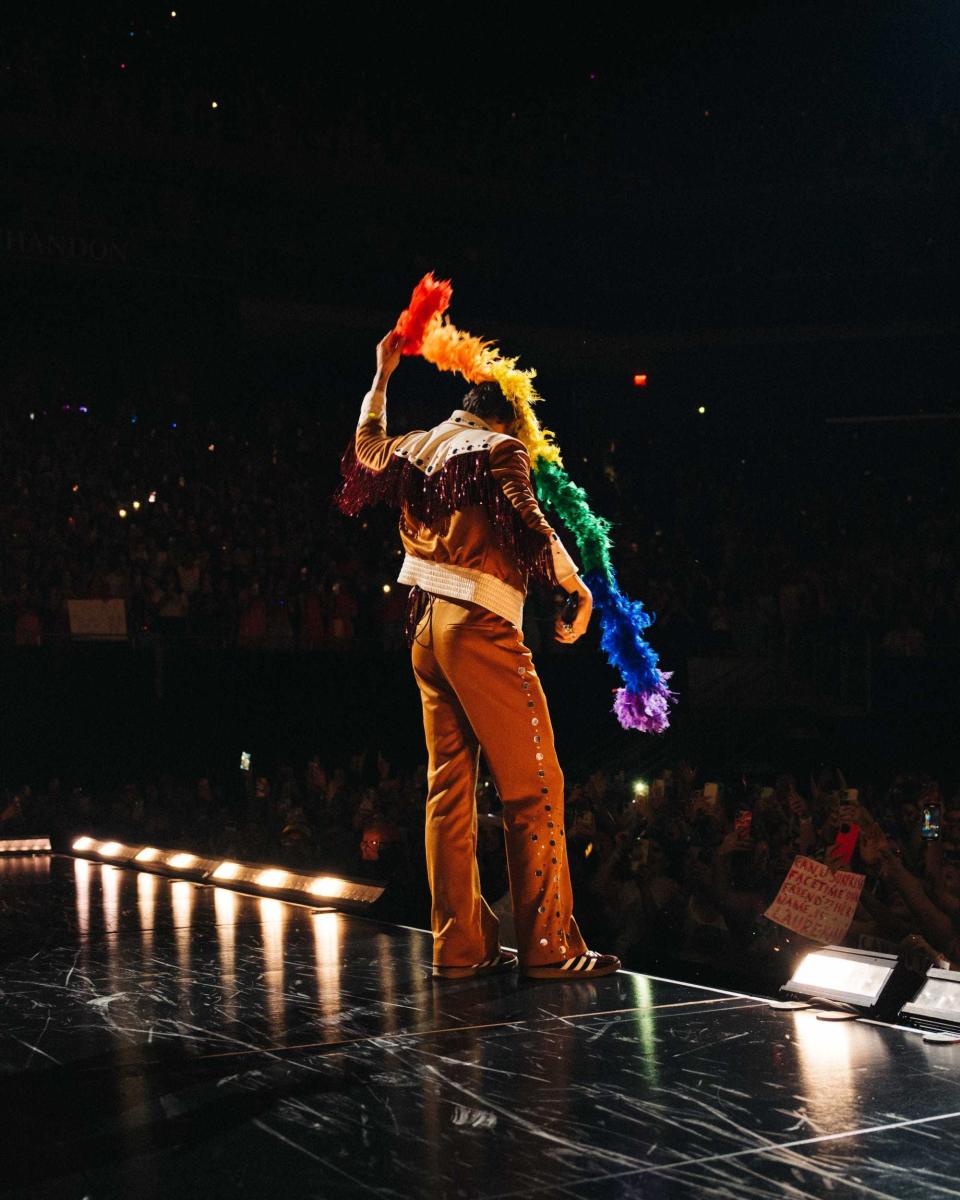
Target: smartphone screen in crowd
(930, 822)
(846, 842)
(245, 760)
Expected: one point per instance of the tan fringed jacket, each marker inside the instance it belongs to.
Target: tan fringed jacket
(470, 523)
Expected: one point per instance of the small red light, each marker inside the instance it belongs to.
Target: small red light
(639, 381)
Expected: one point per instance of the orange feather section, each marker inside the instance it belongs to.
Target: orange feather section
(451, 349)
(430, 298)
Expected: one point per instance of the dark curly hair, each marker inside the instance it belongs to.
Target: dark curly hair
(487, 401)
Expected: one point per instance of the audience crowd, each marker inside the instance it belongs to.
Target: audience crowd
(204, 531)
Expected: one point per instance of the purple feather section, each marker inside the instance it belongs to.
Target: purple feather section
(431, 500)
(647, 711)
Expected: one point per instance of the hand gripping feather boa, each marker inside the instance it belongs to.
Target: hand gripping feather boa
(644, 700)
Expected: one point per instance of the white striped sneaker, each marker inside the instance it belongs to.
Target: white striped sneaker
(588, 965)
(503, 960)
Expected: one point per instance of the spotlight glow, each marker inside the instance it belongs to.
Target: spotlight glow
(227, 870)
(82, 843)
(110, 849)
(147, 854)
(180, 861)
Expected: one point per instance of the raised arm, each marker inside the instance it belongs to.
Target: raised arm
(372, 444)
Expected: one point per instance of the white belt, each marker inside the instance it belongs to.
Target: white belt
(464, 583)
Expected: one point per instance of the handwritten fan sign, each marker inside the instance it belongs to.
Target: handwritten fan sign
(816, 902)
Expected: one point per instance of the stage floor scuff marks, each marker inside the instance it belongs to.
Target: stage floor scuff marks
(164, 1039)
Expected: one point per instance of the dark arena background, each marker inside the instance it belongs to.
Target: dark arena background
(727, 238)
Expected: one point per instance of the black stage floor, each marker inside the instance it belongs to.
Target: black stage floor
(163, 1039)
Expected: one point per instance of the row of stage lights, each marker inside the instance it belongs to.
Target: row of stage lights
(28, 845)
(223, 872)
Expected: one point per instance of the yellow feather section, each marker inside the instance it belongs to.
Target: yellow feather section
(478, 361)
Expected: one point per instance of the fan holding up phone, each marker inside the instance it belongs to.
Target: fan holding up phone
(848, 834)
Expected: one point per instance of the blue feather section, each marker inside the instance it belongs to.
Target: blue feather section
(622, 622)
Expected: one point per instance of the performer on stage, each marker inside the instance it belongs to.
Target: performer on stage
(473, 533)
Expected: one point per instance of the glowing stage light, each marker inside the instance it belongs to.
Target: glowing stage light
(214, 104)
(147, 854)
(82, 843)
(181, 861)
(386, 589)
(639, 381)
(272, 878)
(152, 498)
(136, 505)
(227, 870)
(121, 512)
(835, 976)
(327, 886)
(863, 980)
(111, 849)
(701, 410)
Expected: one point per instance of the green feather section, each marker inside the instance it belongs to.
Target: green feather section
(569, 501)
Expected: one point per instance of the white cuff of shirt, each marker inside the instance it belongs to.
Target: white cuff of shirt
(374, 408)
(563, 565)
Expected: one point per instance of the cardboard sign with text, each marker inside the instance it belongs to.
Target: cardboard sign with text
(816, 902)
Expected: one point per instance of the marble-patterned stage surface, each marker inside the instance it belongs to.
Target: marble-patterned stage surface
(163, 1039)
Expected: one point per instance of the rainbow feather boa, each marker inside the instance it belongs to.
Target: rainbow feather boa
(644, 700)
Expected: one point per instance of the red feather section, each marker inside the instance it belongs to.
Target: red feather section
(432, 499)
(430, 298)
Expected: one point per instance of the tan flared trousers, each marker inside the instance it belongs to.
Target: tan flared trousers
(480, 692)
